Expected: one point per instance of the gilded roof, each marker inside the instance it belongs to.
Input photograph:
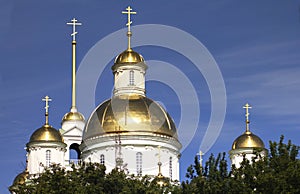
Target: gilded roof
(247, 140)
(46, 133)
(73, 116)
(129, 57)
(129, 114)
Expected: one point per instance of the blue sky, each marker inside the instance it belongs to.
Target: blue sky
(255, 43)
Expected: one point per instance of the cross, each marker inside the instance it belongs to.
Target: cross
(74, 24)
(47, 99)
(128, 12)
(247, 107)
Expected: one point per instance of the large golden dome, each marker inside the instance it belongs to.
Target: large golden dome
(129, 115)
(247, 140)
(46, 133)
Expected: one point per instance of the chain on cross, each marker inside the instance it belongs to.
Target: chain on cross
(74, 23)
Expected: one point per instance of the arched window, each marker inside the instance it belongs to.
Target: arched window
(48, 158)
(102, 159)
(139, 162)
(131, 78)
(170, 167)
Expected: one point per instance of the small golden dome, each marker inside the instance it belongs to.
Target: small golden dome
(129, 56)
(20, 178)
(46, 133)
(129, 115)
(247, 140)
(73, 116)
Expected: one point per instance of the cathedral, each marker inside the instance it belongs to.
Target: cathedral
(129, 131)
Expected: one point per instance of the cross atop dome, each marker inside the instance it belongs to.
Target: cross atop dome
(47, 99)
(247, 107)
(74, 23)
(129, 12)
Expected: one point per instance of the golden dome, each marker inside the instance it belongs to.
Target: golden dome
(247, 140)
(129, 115)
(21, 178)
(46, 133)
(129, 56)
(73, 116)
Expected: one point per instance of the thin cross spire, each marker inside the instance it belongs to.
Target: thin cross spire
(74, 23)
(47, 99)
(129, 12)
(247, 107)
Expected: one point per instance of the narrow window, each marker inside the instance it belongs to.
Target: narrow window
(139, 162)
(48, 158)
(131, 78)
(102, 159)
(170, 167)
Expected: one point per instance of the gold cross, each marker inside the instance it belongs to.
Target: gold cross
(128, 12)
(74, 23)
(47, 99)
(247, 107)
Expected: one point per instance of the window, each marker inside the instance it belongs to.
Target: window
(48, 158)
(139, 162)
(102, 159)
(170, 167)
(131, 78)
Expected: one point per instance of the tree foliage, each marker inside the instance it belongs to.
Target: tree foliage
(278, 172)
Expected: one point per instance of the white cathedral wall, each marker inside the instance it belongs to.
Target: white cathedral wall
(36, 156)
(129, 150)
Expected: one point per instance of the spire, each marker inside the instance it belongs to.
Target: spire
(47, 99)
(247, 107)
(129, 22)
(74, 23)
(200, 157)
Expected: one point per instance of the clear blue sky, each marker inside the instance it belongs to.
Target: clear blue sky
(256, 45)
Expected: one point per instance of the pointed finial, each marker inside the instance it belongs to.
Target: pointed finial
(47, 99)
(200, 157)
(128, 24)
(247, 107)
(74, 23)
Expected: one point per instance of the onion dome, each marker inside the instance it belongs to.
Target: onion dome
(19, 180)
(46, 134)
(247, 140)
(129, 57)
(129, 115)
(73, 116)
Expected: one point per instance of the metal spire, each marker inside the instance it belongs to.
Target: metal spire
(74, 23)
